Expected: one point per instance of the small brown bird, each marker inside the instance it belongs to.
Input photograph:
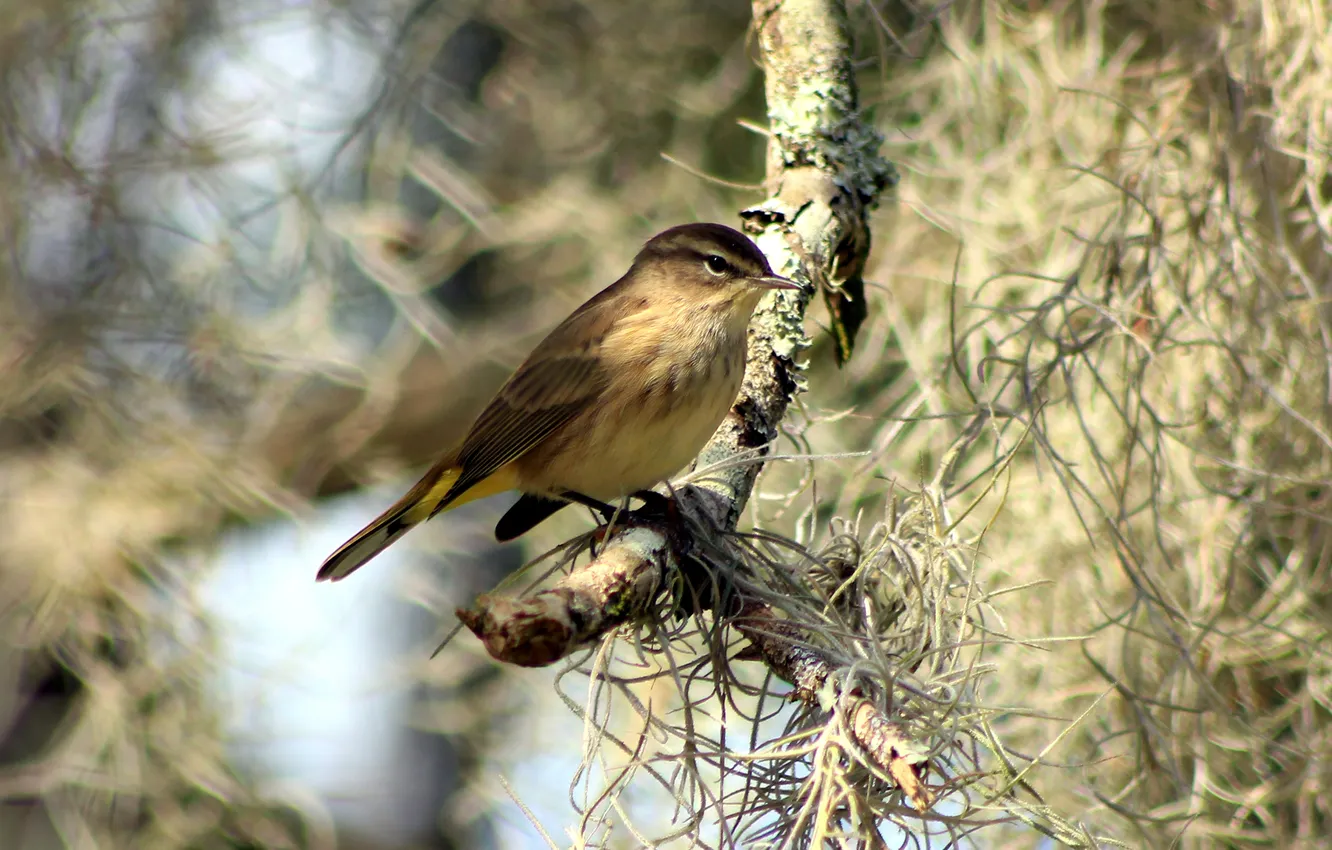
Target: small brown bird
(620, 396)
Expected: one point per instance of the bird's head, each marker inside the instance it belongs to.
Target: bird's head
(709, 261)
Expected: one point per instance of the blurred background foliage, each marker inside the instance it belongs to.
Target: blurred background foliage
(1098, 335)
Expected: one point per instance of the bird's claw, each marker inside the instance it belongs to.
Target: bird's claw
(656, 507)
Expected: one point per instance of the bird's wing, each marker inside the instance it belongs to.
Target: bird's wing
(564, 376)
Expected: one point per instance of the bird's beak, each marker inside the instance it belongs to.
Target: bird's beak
(776, 282)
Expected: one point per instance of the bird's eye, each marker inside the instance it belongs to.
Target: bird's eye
(717, 264)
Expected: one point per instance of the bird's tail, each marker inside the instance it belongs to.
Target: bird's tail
(428, 497)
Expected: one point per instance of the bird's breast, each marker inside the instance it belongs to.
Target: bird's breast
(667, 394)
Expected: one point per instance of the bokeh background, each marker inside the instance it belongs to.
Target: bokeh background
(263, 261)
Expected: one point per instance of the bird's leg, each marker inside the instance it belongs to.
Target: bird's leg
(656, 506)
(531, 510)
(607, 511)
(699, 589)
(657, 509)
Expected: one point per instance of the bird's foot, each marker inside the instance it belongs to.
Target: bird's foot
(531, 510)
(657, 510)
(656, 507)
(606, 511)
